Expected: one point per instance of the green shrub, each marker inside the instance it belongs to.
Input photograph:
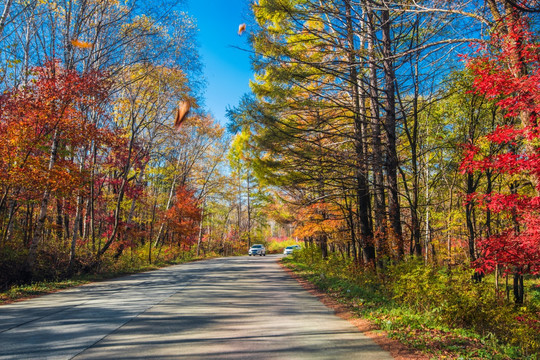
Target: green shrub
(438, 309)
(276, 246)
(458, 301)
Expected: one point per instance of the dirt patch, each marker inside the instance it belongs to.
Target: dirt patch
(398, 350)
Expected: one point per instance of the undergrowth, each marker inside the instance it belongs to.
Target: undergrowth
(276, 245)
(440, 311)
(109, 267)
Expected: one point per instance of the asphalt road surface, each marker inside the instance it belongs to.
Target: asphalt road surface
(229, 308)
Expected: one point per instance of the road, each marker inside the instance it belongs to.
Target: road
(227, 308)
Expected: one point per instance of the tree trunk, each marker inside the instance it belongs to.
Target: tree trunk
(4, 16)
(248, 210)
(469, 209)
(518, 288)
(427, 232)
(32, 252)
(151, 236)
(59, 219)
(377, 149)
(394, 210)
(9, 226)
(413, 140)
(75, 236)
(363, 196)
(352, 230)
(92, 199)
(323, 245)
(199, 238)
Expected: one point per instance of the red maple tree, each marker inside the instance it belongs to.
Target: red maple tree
(507, 71)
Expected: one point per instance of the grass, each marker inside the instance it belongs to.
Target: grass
(36, 289)
(27, 291)
(425, 329)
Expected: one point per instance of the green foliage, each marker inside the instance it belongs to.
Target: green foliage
(441, 311)
(38, 288)
(276, 246)
(535, 293)
(455, 300)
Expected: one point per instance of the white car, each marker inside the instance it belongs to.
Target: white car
(290, 249)
(257, 249)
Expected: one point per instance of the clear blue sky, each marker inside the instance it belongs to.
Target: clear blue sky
(227, 69)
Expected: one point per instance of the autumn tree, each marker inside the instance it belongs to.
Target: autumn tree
(41, 122)
(98, 122)
(329, 97)
(184, 217)
(506, 71)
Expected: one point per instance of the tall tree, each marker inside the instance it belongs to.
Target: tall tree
(508, 72)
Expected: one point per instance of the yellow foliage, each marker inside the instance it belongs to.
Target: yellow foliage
(140, 24)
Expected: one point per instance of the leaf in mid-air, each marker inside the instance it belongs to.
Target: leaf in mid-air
(81, 44)
(241, 29)
(181, 113)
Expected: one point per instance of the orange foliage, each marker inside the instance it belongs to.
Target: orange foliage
(81, 44)
(319, 219)
(181, 113)
(184, 216)
(53, 104)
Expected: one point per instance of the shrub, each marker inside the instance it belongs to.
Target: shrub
(452, 296)
(276, 245)
(415, 301)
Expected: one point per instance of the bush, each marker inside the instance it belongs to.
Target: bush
(276, 245)
(458, 301)
(438, 309)
(12, 264)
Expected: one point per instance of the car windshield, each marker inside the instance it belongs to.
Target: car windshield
(289, 247)
(257, 246)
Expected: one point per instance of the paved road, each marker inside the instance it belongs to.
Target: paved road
(231, 308)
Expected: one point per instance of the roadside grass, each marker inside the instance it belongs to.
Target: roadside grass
(108, 270)
(21, 292)
(450, 317)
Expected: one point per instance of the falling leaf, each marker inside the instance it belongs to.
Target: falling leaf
(181, 113)
(241, 29)
(81, 44)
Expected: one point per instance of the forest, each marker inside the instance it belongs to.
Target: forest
(398, 141)
(403, 139)
(94, 174)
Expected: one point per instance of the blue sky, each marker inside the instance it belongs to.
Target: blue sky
(227, 69)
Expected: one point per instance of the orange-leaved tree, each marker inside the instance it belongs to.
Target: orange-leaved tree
(184, 217)
(42, 125)
(320, 221)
